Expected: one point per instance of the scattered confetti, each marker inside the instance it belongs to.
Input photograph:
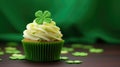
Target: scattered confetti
(77, 61)
(96, 50)
(70, 49)
(73, 61)
(12, 58)
(11, 50)
(16, 51)
(1, 53)
(67, 49)
(64, 52)
(64, 58)
(69, 61)
(64, 48)
(82, 54)
(17, 57)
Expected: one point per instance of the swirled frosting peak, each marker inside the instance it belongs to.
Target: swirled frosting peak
(42, 30)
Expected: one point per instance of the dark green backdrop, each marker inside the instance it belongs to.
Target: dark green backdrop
(83, 21)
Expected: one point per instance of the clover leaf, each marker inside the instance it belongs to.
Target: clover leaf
(42, 17)
(47, 20)
(46, 14)
(39, 20)
(38, 13)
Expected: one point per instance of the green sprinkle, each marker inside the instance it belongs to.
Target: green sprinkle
(12, 58)
(12, 44)
(12, 52)
(82, 54)
(64, 52)
(9, 52)
(10, 48)
(73, 61)
(1, 53)
(69, 61)
(0, 59)
(70, 49)
(22, 57)
(96, 50)
(67, 49)
(77, 61)
(16, 51)
(17, 57)
(16, 54)
(64, 58)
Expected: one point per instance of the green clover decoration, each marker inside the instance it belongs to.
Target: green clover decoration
(42, 17)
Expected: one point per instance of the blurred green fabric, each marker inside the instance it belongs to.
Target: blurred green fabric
(81, 21)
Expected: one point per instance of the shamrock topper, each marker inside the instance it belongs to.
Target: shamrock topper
(42, 17)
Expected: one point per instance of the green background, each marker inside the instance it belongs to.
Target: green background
(81, 21)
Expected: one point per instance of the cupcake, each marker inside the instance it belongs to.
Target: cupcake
(42, 39)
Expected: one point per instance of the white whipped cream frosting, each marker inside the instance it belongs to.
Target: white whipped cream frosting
(42, 32)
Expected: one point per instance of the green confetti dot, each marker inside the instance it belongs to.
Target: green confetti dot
(17, 57)
(12, 52)
(96, 50)
(67, 49)
(13, 58)
(64, 58)
(0, 59)
(9, 52)
(77, 61)
(10, 48)
(82, 54)
(16, 51)
(21, 57)
(70, 49)
(1, 53)
(64, 52)
(69, 61)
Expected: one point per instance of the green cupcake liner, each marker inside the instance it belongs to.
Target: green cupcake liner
(42, 51)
